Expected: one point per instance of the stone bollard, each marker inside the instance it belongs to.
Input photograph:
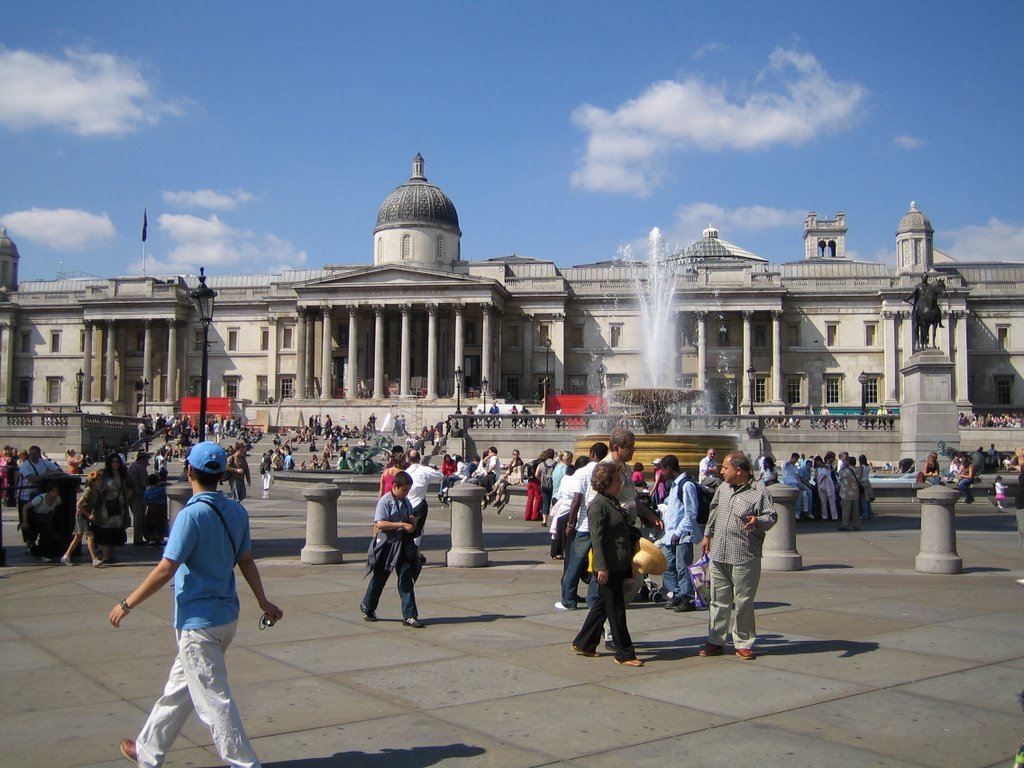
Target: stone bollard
(467, 527)
(321, 525)
(938, 531)
(779, 552)
(177, 495)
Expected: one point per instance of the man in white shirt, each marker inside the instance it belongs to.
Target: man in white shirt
(422, 475)
(577, 530)
(28, 476)
(710, 473)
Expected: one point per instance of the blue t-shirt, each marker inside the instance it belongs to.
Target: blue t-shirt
(204, 584)
(156, 495)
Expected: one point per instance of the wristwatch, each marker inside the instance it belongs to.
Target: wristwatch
(124, 606)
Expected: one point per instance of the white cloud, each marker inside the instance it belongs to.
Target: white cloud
(993, 241)
(793, 102)
(905, 141)
(62, 229)
(208, 198)
(214, 244)
(90, 94)
(708, 48)
(692, 219)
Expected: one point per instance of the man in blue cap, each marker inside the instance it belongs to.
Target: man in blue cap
(209, 537)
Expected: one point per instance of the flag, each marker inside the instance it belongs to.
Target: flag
(145, 224)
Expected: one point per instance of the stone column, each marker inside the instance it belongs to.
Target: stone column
(488, 347)
(87, 364)
(960, 358)
(6, 344)
(177, 494)
(351, 375)
(558, 354)
(938, 531)
(310, 353)
(467, 527)
(326, 374)
(779, 553)
(300, 353)
(777, 357)
(746, 401)
(110, 392)
(702, 350)
(907, 335)
(147, 357)
(460, 339)
(432, 350)
(173, 366)
(404, 345)
(526, 389)
(321, 525)
(378, 350)
(891, 359)
(272, 356)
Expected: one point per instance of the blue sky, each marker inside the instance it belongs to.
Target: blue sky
(265, 135)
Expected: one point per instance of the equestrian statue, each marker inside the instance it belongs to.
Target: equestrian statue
(926, 315)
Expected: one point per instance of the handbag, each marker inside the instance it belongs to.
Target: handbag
(701, 582)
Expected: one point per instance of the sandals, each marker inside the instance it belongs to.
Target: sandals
(630, 663)
(584, 651)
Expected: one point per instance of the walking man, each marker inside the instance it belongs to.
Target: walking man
(209, 537)
(741, 513)
(681, 531)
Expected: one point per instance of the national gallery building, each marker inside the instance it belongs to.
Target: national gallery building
(421, 329)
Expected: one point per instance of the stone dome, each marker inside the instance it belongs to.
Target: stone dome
(914, 221)
(7, 247)
(417, 203)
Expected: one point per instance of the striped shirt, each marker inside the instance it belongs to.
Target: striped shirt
(731, 544)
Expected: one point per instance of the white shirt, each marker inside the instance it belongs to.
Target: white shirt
(422, 475)
(705, 464)
(582, 484)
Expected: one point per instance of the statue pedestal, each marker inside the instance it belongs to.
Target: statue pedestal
(928, 414)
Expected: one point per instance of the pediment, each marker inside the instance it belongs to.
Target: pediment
(391, 275)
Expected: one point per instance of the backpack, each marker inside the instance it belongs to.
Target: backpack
(547, 476)
(277, 463)
(704, 497)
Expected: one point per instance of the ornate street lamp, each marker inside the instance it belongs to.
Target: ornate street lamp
(483, 390)
(458, 390)
(80, 378)
(750, 381)
(863, 381)
(547, 370)
(203, 297)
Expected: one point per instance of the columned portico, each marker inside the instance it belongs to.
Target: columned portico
(87, 362)
(327, 352)
(460, 350)
(351, 390)
(6, 360)
(432, 358)
(405, 344)
(378, 350)
(109, 390)
(300, 353)
(777, 358)
(488, 347)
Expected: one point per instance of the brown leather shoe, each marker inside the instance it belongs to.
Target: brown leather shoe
(584, 652)
(129, 751)
(710, 649)
(746, 654)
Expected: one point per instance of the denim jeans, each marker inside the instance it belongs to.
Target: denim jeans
(677, 576)
(575, 565)
(404, 569)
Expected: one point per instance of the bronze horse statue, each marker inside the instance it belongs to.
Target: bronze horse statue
(927, 315)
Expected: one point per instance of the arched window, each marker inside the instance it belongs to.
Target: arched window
(832, 248)
(406, 247)
(821, 248)
(380, 249)
(439, 249)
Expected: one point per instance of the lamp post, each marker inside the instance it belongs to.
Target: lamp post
(547, 370)
(750, 382)
(203, 297)
(458, 390)
(863, 381)
(483, 391)
(80, 378)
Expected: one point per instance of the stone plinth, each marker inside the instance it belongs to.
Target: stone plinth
(321, 525)
(177, 495)
(938, 531)
(928, 413)
(779, 552)
(467, 527)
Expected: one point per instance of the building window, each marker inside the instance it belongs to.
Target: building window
(140, 341)
(24, 391)
(380, 249)
(262, 393)
(760, 389)
(232, 340)
(513, 336)
(723, 335)
(439, 249)
(54, 343)
(231, 387)
(543, 333)
(406, 247)
(615, 380)
(871, 390)
(193, 386)
(577, 383)
(512, 387)
(81, 341)
(794, 390)
(793, 334)
(760, 336)
(287, 335)
(471, 332)
(832, 390)
(689, 382)
(870, 334)
(1004, 390)
(26, 342)
(1003, 336)
(197, 341)
(53, 390)
(576, 336)
(287, 388)
(688, 331)
(831, 334)
(616, 336)
(264, 339)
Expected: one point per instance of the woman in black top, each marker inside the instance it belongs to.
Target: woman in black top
(612, 540)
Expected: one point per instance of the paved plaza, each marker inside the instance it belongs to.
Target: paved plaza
(862, 661)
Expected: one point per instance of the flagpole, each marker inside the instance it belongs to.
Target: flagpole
(145, 226)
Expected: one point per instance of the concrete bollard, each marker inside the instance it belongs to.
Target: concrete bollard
(1020, 526)
(321, 525)
(177, 495)
(938, 531)
(467, 527)
(779, 552)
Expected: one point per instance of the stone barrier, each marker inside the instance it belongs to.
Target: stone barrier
(779, 553)
(938, 531)
(177, 495)
(321, 525)
(467, 527)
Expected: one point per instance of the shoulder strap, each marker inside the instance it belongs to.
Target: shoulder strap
(227, 530)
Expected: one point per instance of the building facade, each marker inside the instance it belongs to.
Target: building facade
(420, 327)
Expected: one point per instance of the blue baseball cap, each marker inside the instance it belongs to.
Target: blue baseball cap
(208, 457)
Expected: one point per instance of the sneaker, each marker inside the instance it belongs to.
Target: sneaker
(47, 559)
(368, 615)
(413, 622)
(66, 560)
(685, 606)
(672, 603)
(129, 751)
(97, 563)
(560, 606)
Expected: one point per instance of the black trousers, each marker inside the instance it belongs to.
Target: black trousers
(610, 606)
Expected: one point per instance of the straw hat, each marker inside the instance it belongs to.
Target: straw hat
(650, 559)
